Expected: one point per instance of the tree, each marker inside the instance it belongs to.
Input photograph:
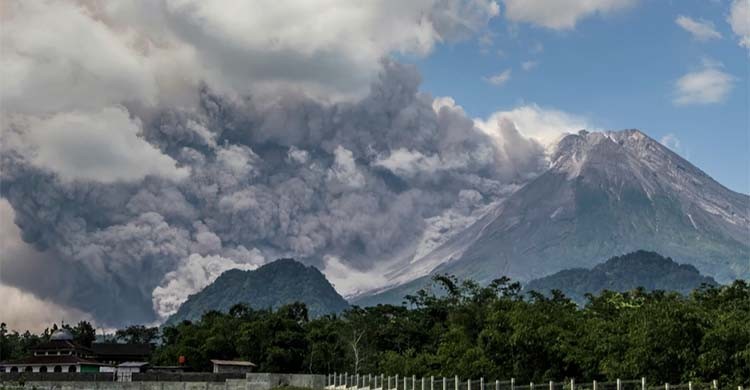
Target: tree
(137, 334)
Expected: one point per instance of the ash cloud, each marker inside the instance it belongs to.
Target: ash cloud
(129, 216)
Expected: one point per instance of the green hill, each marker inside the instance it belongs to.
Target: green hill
(622, 273)
(270, 286)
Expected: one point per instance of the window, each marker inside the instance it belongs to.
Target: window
(58, 369)
(43, 369)
(72, 369)
(14, 369)
(28, 369)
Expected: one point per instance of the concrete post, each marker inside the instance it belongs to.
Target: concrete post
(456, 382)
(666, 386)
(531, 386)
(573, 384)
(423, 383)
(715, 384)
(468, 384)
(432, 382)
(551, 385)
(346, 379)
(619, 384)
(481, 383)
(413, 382)
(405, 383)
(690, 385)
(497, 384)
(512, 383)
(369, 380)
(356, 382)
(445, 383)
(396, 381)
(382, 382)
(643, 383)
(594, 385)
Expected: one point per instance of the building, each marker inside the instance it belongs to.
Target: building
(232, 366)
(115, 354)
(59, 354)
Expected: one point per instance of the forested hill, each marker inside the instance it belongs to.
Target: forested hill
(623, 273)
(275, 284)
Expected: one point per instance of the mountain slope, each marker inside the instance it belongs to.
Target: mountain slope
(606, 194)
(272, 285)
(623, 273)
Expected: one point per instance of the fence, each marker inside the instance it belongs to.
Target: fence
(345, 381)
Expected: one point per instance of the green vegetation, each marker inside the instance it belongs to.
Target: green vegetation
(624, 273)
(497, 331)
(275, 284)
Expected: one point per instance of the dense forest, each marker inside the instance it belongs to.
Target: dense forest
(462, 328)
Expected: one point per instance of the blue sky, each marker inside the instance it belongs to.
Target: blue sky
(617, 70)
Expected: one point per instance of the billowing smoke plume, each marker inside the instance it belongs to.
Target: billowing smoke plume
(137, 195)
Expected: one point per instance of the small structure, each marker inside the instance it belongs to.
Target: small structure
(232, 366)
(59, 354)
(115, 353)
(167, 369)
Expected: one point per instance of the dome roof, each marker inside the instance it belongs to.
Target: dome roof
(61, 334)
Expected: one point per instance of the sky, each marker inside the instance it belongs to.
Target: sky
(617, 70)
(148, 146)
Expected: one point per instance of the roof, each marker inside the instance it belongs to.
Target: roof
(133, 364)
(58, 345)
(50, 359)
(61, 334)
(116, 349)
(232, 363)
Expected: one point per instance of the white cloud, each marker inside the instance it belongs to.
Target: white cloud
(701, 30)
(672, 142)
(500, 78)
(344, 169)
(529, 65)
(560, 14)
(148, 51)
(545, 125)
(23, 311)
(193, 275)
(706, 86)
(104, 146)
(349, 281)
(739, 20)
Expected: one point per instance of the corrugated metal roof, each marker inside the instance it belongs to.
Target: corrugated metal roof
(233, 363)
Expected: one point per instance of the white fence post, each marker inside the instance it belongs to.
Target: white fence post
(643, 383)
(396, 382)
(666, 386)
(512, 383)
(468, 384)
(497, 384)
(573, 384)
(413, 382)
(690, 385)
(715, 384)
(531, 386)
(619, 384)
(445, 383)
(432, 382)
(405, 382)
(551, 385)
(594, 385)
(481, 383)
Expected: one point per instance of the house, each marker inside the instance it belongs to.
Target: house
(59, 354)
(232, 366)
